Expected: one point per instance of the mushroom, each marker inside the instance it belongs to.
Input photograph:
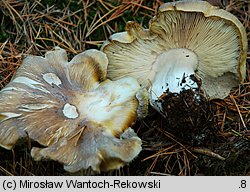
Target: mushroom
(189, 45)
(80, 118)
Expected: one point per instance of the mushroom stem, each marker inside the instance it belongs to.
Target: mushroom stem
(174, 72)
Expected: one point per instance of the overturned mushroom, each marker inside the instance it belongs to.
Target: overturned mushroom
(189, 45)
(81, 118)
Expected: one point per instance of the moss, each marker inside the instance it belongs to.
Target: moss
(3, 36)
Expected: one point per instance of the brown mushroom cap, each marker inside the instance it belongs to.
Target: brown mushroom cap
(81, 118)
(215, 39)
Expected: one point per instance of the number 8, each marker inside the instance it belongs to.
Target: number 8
(243, 184)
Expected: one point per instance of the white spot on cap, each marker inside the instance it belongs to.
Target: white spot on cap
(33, 107)
(10, 115)
(30, 83)
(70, 111)
(52, 78)
(9, 89)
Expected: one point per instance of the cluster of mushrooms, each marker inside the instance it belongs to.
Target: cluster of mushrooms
(81, 111)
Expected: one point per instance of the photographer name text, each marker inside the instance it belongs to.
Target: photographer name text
(82, 184)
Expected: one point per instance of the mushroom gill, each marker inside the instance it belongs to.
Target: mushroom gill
(81, 118)
(189, 45)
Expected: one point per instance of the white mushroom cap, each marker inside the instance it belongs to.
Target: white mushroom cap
(81, 118)
(185, 38)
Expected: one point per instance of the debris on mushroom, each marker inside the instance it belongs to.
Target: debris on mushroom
(81, 118)
(190, 45)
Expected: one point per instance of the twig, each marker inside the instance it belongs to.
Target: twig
(207, 152)
(244, 125)
(158, 173)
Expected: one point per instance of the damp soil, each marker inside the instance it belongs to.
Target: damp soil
(189, 139)
(189, 117)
